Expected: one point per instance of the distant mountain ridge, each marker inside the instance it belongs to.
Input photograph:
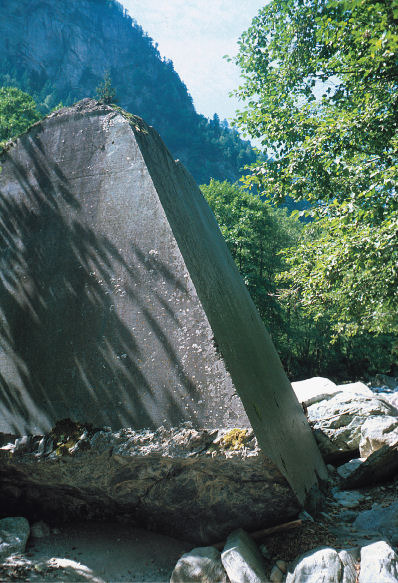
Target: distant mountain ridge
(60, 51)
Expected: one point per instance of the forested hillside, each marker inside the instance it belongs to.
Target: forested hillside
(60, 52)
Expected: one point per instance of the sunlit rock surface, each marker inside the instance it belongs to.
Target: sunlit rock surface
(193, 485)
(120, 303)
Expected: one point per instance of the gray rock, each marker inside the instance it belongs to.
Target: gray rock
(201, 565)
(242, 559)
(14, 533)
(313, 390)
(276, 575)
(349, 559)
(358, 388)
(376, 432)
(145, 319)
(282, 565)
(380, 520)
(378, 467)
(150, 475)
(348, 499)
(348, 468)
(340, 418)
(379, 564)
(321, 565)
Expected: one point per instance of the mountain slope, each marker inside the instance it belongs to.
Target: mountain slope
(60, 51)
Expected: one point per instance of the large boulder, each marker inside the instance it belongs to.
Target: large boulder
(379, 563)
(194, 485)
(339, 420)
(376, 432)
(316, 566)
(121, 305)
(313, 390)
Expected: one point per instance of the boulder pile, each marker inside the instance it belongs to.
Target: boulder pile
(354, 539)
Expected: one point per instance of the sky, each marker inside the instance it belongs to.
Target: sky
(195, 35)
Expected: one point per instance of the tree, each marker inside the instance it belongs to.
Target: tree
(105, 92)
(17, 112)
(255, 233)
(320, 79)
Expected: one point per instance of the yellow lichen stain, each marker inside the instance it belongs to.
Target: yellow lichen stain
(66, 433)
(235, 439)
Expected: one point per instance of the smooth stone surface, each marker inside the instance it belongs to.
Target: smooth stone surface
(376, 432)
(316, 566)
(201, 565)
(357, 388)
(349, 559)
(348, 499)
(340, 418)
(242, 559)
(313, 390)
(123, 306)
(348, 468)
(380, 520)
(379, 564)
(14, 533)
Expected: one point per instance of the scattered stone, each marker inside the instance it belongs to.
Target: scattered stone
(40, 530)
(377, 468)
(376, 432)
(348, 468)
(348, 499)
(349, 559)
(14, 533)
(201, 565)
(276, 575)
(242, 559)
(382, 520)
(379, 563)
(313, 390)
(282, 565)
(315, 566)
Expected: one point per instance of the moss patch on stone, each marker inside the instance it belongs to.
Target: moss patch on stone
(235, 439)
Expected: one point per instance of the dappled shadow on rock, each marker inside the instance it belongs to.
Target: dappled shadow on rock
(65, 348)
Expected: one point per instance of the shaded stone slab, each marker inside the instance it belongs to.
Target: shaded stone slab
(119, 301)
(380, 466)
(182, 482)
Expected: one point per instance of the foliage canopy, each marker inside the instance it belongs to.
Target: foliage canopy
(320, 81)
(17, 112)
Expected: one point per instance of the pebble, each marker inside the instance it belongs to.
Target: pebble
(276, 575)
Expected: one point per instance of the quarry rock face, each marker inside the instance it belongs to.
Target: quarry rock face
(119, 301)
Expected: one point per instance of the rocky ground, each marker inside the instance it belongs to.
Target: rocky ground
(353, 540)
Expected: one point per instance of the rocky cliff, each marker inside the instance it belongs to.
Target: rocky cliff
(60, 51)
